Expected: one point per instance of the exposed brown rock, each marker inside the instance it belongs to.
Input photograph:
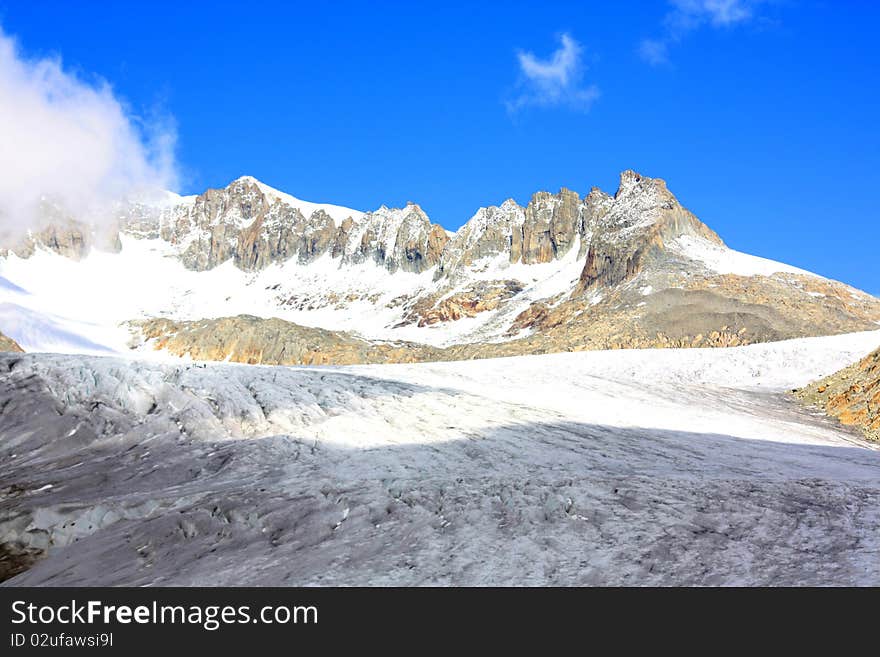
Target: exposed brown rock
(635, 230)
(437, 239)
(550, 227)
(252, 340)
(851, 395)
(246, 224)
(8, 344)
(477, 298)
(16, 558)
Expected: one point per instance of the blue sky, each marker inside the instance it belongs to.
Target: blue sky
(761, 115)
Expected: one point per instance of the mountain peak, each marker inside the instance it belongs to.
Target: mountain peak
(263, 187)
(630, 179)
(307, 208)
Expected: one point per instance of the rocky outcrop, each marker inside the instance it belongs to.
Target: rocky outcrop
(552, 223)
(240, 222)
(397, 239)
(672, 318)
(851, 395)
(634, 229)
(68, 238)
(256, 226)
(619, 235)
(8, 344)
(488, 233)
(543, 231)
(684, 308)
(480, 297)
(253, 340)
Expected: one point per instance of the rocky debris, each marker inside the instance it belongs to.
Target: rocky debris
(536, 314)
(540, 315)
(852, 395)
(479, 297)
(674, 324)
(824, 303)
(16, 558)
(8, 344)
(257, 341)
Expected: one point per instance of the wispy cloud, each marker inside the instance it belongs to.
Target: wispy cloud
(555, 81)
(686, 16)
(72, 142)
(654, 51)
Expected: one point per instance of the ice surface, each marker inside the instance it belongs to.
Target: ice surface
(625, 467)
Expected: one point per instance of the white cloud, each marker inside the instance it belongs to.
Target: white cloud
(685, 16)
(716, 12)
(555, 81)
(654, 51)
(72, 142)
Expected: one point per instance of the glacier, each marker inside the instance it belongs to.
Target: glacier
(657, 467)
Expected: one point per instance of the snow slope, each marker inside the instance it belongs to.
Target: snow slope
(103, 290)
(724, 260)
(91, 298)
(625, 467)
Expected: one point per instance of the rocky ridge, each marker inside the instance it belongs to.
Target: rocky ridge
(562, 273)
(255, 226)
(258, 341)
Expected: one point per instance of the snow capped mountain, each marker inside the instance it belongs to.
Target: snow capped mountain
(563, 273)
(163, 471)
(306, 208)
